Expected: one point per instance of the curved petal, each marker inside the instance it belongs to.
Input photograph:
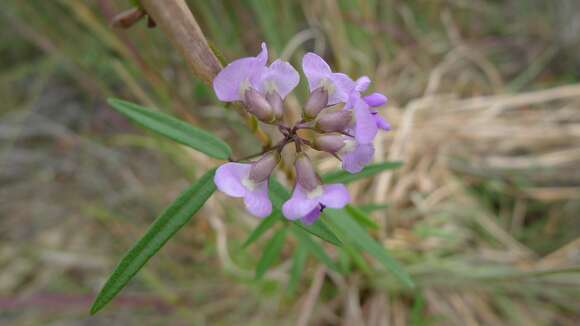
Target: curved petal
(315, 68)
(257, 202)
(262, 57)
(312, 216)
(229, 81)
(381, 122)
(343, 86)
(365, 128)
(375, 99)
(298, 205)
(228, 178)
(355, 160)
(335, 196)
(362, 84)
(280, 77)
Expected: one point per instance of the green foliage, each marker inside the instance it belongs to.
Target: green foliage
(341, 176)
(271, 252)
(359, 237)
(162, 229)
(173, 128)
(360, 216)
(314, 248)
(264, 226)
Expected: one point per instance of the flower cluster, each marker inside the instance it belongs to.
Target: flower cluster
(344, 120)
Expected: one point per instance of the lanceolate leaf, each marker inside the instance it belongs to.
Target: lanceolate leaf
(313, 247)
(162, 229)
(271, 252)
(341, 176)
(358, 236)
(173, 128)
(298, 262)
(279, 194)
(264, 225)
(361, 217)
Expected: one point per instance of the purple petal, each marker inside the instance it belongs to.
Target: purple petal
(355, 160)
(362, 84)
(228, 82)
(381, 122)
(312, 216)
(280, 77)
(365, 128)
(375, 99)
(262, 57)
(343, 86)
(315, 68)
(228, 178)
(335, 196)
(257, 201)
(299, 205)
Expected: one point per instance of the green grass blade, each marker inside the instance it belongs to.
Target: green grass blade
(271, 253)
(341, 176)
(358, 236)
(298, 262)
(361, 217)
(279, 194)
(162, 229)
(264, 226)
(313, 247)
(372, 207)
(173, 128)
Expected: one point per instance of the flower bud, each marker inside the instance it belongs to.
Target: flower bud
(305, 174)
(317, 101)
(258, 105)
(276, 103)
(329, 143)
(262, 168)
(334, 121)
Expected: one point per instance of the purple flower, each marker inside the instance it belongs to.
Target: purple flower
(364, 127)
(234, 180)
(236, 78)
(319, 75)
(307, 205)
(372, 100)
(355, 155)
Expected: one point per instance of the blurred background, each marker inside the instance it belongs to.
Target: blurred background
(484, 213)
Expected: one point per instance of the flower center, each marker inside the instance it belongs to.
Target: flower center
(327, 85)
(349, 146)
(244, 86)
(316, 192)
(249, 184)
(270, 86)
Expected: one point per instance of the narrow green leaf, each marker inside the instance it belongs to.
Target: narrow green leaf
(264, 226)
(279, 194)
(173, 128)
(298, 262)
(162, 229)
(361, 217)
(314, 247)
(273, 248)
(372, 207)
(341, 176)
(359, 237)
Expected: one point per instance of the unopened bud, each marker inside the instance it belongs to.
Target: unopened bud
(334, 121)
(317, 101)
(276, 103)
(262, 168)
(305, 174)
(258, 105)
(127, 18)
(329, 143)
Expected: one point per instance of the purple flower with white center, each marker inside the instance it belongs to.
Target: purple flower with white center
(307, 205)
(262, 88)
(249, 181)
(319, 75)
